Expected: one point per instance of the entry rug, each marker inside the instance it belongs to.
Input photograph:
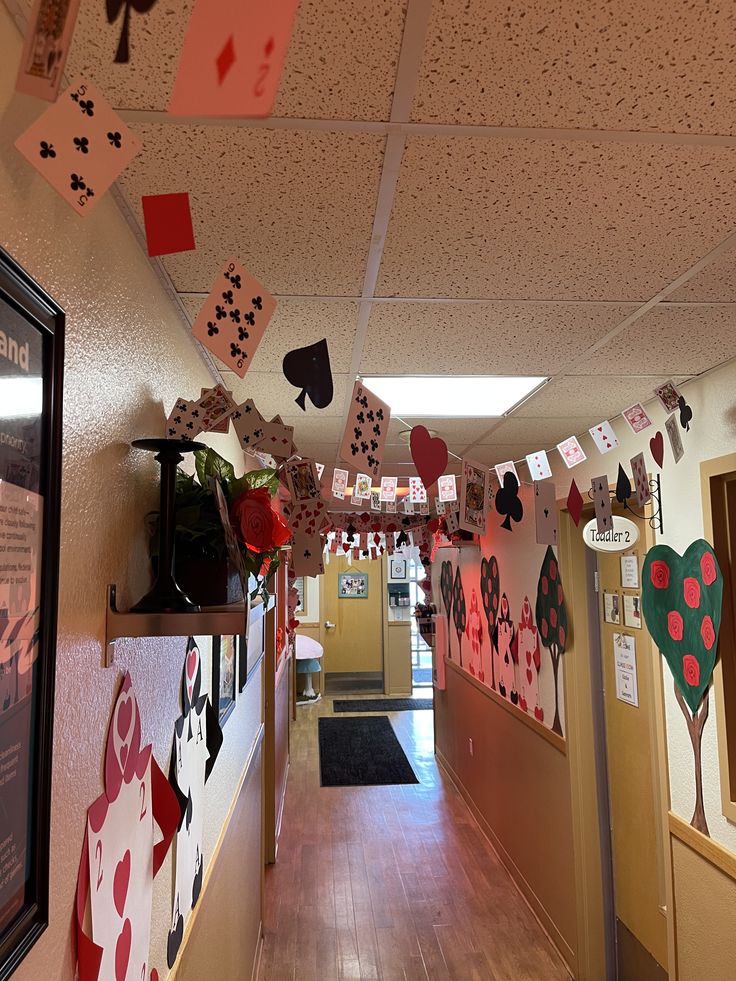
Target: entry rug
(361, 752)
(380, 704)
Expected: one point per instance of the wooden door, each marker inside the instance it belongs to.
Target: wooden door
(637, 839)
(352, 628)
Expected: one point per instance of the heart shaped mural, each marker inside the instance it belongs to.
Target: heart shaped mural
(429, 454)
(681, 602)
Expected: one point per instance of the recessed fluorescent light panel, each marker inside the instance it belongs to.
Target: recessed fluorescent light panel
(441, 396)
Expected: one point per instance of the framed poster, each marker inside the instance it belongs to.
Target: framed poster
(223, 676)
(31, 370)
(397, 568)
(611, 608)
(632, 611)
(352, 585)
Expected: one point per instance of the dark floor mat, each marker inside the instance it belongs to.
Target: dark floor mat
(380, 704)
(361, 752)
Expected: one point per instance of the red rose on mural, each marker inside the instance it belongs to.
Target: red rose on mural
(707, 632)
(691, 670)
(553, 569)
(691, 590)
(660, 573)
(708, 568)
(256, 524)
(675, 625)
(545, 585)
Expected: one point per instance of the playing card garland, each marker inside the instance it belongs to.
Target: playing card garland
(545, 513)
(490, 591)
(459, 613)
(366, 430)
(47, 42)
(429, 454)
(551, 617)
(508, 502)
(504, 643)
(113, 8)
(197, 742)
(119, 859)
(308, 368)
(446, 590)
(682, 599)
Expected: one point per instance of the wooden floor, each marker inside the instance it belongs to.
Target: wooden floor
(392, 882)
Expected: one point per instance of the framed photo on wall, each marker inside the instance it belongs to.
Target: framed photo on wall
(397, 568)
(223, 676)
(31, 372)
(352, 585)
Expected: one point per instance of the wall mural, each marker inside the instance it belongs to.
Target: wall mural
(529, 661)
(490, 591)
(474, 630)
(551, 617)
(504, 642)
(459, 613)
(446, 590)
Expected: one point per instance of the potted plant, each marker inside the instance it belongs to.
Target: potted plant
(202, 567)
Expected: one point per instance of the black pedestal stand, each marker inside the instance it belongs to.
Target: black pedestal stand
(166, 596)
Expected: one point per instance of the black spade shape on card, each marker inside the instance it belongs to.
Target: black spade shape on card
(197, 882)
(308, 368)
(402, 540)
(507, 501)
(173, 942)
(686, 413)
(122, 55)
(623, 486)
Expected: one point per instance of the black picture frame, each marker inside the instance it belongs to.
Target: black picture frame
(223, 695)
(31, 350)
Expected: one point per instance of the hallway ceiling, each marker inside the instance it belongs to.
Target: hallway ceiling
(461, 186)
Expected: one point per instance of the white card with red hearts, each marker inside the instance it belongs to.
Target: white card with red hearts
(604, 437)
(417, 491)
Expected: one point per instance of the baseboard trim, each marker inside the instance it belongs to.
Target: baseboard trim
(525, 890)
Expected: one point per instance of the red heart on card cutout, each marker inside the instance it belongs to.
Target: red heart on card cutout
(125, 717)
(429, 454)
(122, 951)
(656, 445)
(191, 663)
(529, 675)
(120, 883)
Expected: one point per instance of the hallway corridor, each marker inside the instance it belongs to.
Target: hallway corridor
(392, 882)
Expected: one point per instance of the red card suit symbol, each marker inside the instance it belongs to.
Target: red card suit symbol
(656, 445)
(120, 883)
(575, 503)
(429, 454)
(122, 55)
(122, 951)
(168, 222)
(308, 368)
(225, 60)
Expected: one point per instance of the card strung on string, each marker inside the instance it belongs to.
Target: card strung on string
(604, 437)
(248, 424)
(185, 420)
(452, 522)
(474, 498)
(575, 502)
(196, 745)
(417, 491)
(637, 417)
(79, 145)
(232, 58)
(168, 223)
(668, 396)
(339, 484)
(216, 405)
(308, 368)
(277, 439)
(47, 42)
(538, 464)
(388, 488)
(320, 469)
(119, 858)
(408, 506)
(641, 480)
(504, 468)
(390, 507)
(362, 486)
(302, 480)
(439, 506)
(601, 497)
(447, 487)
(545, 513)
(424, 508)
(673, 434)
(366, 430)
(375, 500)
(571, 452)
(508, 502)
(233, 318)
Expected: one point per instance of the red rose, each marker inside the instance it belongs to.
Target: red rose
(545, 585)
(544, 628)
(708, 568)
(553, 569)
(660, 574)
(691, 590)
(561, 635)
(691, 670)
(707, 632)
(560, 595)
(675, 625)
(553, 617)
(255, 522)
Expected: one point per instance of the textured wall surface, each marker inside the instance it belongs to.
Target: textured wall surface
(127, 359)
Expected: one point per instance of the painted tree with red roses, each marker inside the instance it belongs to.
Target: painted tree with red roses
(681, 602)
(551, 617)
(459, 612)
(490, 591)
(446, 590)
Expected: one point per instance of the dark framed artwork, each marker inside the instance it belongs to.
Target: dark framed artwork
(31, 373)
(224, 665)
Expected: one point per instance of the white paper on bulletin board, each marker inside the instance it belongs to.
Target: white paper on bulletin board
(624, 653)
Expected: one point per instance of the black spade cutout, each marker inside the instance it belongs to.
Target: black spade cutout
(507, 501)
(623, 486)
(173, 942)
(402, 540)
(308, 368)
(113, 7)
(686, 413)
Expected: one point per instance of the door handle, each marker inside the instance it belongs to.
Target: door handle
(329, 626)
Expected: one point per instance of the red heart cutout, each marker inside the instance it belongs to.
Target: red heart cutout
(125, 717)
(120, 883)
(529, 675)
(656, 445)
(529, 657)
(429, 454)
(122, 951)
(191, 664)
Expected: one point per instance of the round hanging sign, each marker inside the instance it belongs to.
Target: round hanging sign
(623, 535)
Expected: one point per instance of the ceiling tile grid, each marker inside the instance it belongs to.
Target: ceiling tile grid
(595, 396)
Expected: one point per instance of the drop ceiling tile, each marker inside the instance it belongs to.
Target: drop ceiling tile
(599, 396)
(341, 62)
(627, 65)
(544, 432)
(297, 323)
(295, 207)
(322, 452)
(671, 340)
(483, 338)
(544, 219)
(273, 395)
(315, 427)
(716, 282)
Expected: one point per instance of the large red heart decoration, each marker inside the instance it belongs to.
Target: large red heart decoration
(656, 445)
(429, 454)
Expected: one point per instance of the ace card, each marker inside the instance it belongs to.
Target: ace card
(637, 417)
(538, 464)
(641, 480)
(604, 437)
(601, 498)
(366, 430)
(545, 513)
(571, 452)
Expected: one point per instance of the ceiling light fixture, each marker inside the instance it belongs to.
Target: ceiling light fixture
(461, 396)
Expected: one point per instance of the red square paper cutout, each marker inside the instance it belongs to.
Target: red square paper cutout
(168, 223)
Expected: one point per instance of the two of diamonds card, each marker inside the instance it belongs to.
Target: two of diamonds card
(234, 317)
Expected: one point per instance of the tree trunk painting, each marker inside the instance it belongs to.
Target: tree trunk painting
(695, 725)
(555, 655)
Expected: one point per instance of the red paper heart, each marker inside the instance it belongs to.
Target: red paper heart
(120, 883)
(656, 445)
(122, 951)
(529, 657)
(125, 717)
(529, 675)
(191, 663)
(429, 454)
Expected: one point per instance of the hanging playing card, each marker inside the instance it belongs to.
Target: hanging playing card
(447, 487)
(668, 396)
(575, 502)
(366, 430)
(79, 145)
(276, 439)
(308, 517)
(248, 423)
(308, 368)
(674, 437)
(232, 58)
(47, 42)
(604, 437)
(168, 223)
(538, 464)
(408, 506)
(504, 468)
(339, 484)
(452, 522)
(424, 507)
(439, 506)
(302, 480)
(473, 497)
(390, 507)
(637, 417)
(388, 488)
(375, 500)
(601, 498)
(234, 316)
(417, 491)
(216, 405)
(571, 452)
(545, 513)
(306, 555)
(641, 480)
(185, 420)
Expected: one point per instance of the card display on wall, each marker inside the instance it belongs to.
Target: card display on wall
(624, 654)
(632, 611)
(352, 585)
(223, 676)
(611, 608)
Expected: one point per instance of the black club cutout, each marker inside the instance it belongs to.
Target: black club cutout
(508, 502)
